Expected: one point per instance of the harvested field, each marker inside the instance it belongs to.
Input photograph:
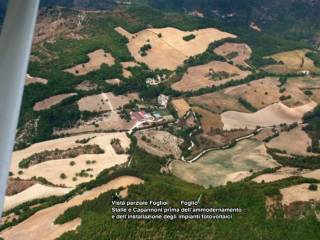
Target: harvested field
(41, 224)
(218, 167)
(297, 147)
(105, 102)
(286, 172)
(52, 170)
(37, 191)
(16, 186)
(212, 74)
(217, 138)
(31, 80)
(57, 154)
(217, 102)
(96, 59)
(299, 193)
(228, 99)
(51, 101)
(309, 84)
(123, 32)
(292, 61)
(159, 143)
(275, 114)
(86, 86)
(239, 53)
(169, 50)
(298, 97)
(260, 93)
(114, 81)
(264, 134)
(125, 71)
(181, 106)
(109, 121)
(312, 174)
(120, 100)
(296, 88)
(208, 120)
(95, 103)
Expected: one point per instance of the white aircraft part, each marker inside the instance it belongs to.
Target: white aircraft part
(15, 47)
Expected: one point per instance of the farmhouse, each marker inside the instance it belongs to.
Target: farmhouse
(156, 80)
(163, 100)
(141, 116)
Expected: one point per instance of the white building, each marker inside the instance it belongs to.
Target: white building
(163, 100)
(157, 80)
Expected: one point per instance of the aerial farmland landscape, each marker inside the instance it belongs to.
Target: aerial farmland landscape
(212, 102)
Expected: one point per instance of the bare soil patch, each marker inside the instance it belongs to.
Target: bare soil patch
(125, 68)
(97, 58)
(298, 97)
(51, 101)
(260, 93)
(36, 191)
(120, 100)
(109, 121)
(274, 114)
(299, 193)
(181, 106)
(169, 50)
(208, 120)
(95, 103)
(292, 61)
(298, 146)
(239, 53)
(297, 87)
(159, 143)
(86, 86)
(114, 81)
(31, 80)
(17, 185)
(105, 102)
(217, 138)
(217, 102)
(212, 74)
(265, 133)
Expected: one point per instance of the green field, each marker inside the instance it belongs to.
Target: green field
(252, 224)
(214, 167)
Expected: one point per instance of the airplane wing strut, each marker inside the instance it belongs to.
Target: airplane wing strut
(15, 47)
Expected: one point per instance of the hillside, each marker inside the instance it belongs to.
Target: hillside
(288, 18)
(294, 19)
(215, 102)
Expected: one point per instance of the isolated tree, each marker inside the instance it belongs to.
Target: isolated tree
(313, 187)
(63, 176)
